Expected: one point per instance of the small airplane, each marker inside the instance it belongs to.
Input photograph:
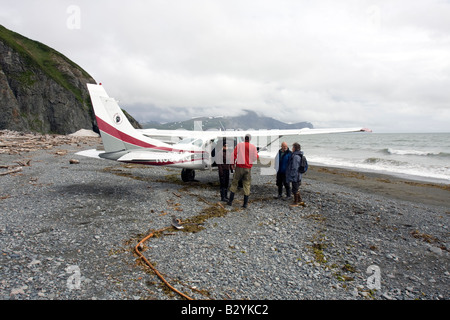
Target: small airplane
(185, 149)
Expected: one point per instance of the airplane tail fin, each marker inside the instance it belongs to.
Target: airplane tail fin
(118, 135)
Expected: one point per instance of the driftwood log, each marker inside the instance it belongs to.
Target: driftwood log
(15, 170)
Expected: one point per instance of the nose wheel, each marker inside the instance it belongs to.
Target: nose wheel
(187, 175)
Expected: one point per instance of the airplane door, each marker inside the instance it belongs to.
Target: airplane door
(209, 151)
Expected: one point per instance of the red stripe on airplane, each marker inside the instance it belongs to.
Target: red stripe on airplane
(109, 129)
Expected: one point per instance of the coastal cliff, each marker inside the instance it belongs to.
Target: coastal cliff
(41, 90)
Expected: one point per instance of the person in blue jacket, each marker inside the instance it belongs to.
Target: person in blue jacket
(281, 162)
(293, 175)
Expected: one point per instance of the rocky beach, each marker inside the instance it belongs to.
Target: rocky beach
(71, 228)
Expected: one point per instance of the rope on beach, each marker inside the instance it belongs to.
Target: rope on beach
(153, 268)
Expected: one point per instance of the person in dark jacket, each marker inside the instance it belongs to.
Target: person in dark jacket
(293, 175)
(281, 162)
(225, 160)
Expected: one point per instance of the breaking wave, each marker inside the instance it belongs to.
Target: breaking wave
(400, 152)
(386, 162)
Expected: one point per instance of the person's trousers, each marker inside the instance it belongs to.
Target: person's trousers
(295, 187)
(281, 181)
(245, 175)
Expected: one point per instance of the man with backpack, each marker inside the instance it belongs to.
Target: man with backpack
(297, 165)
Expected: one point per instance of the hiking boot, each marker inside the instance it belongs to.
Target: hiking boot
(300, 201)
(245, 202)
(296, 200)
(223, 195)
(231, 198)
(280, 193)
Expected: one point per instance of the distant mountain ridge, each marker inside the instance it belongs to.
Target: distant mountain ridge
(250, 120)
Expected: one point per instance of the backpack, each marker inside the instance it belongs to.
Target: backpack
(303, 165)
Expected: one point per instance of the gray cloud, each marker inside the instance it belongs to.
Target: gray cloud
(379, 64)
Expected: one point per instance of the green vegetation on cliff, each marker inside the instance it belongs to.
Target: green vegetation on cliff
(43, 57)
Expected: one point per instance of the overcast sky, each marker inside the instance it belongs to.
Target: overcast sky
(378, 64)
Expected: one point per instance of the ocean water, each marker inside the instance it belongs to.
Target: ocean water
(419, 156)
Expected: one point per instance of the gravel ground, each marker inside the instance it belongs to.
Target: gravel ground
(68, 232)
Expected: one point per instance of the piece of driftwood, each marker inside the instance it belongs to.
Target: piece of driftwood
(15, 170)
(24, 162)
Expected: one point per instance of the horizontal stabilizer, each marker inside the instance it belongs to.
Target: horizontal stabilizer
(91, 153)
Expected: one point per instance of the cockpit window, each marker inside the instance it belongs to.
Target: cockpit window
(194, 141)
(186, 141)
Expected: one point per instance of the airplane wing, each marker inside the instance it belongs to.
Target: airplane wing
(287, 132)
(175, 135)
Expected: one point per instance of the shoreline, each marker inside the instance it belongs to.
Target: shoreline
(391, 186)
(404, 176)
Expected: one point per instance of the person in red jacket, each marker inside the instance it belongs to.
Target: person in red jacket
(245, 154)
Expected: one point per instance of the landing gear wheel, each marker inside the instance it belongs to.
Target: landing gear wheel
(187, 175)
